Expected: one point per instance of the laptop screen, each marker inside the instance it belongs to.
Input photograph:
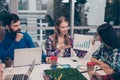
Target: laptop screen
(24, 57)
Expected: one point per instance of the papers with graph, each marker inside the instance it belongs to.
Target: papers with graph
(82, 42)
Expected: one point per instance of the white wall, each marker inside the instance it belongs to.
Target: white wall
(32, 5)
(50, 8)
(96, 13)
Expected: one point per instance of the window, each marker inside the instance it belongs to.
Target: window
(38, 4)
(23, 4)
(23, 22)
(41, 4)
(38, 20)
(42, 22)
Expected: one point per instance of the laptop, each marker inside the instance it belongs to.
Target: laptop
(24, 57)
(21, 76)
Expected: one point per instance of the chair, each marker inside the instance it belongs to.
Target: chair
(41, 44)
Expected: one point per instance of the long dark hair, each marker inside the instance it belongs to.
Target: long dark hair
(109, 35)
(57, 32)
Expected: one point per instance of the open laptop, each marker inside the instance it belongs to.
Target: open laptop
(21, 76)
(24, 57)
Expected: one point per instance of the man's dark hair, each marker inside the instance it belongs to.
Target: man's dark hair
(109, 35)
(9, 18)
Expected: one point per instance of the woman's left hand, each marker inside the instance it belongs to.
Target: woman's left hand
(104, 65)
(108, 70)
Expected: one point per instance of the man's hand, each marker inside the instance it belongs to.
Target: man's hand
(19, 36)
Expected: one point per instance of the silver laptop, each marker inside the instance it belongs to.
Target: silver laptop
(24, 57)
(21, 76)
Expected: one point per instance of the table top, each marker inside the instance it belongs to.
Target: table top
(37, 73)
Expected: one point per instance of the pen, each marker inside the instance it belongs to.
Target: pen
(59, 78)
(95, 69)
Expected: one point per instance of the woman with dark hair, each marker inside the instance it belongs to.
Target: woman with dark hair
(108, 54)
(60, 42)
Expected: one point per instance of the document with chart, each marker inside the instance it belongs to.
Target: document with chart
(82, 42)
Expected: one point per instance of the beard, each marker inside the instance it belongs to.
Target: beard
(14, 33)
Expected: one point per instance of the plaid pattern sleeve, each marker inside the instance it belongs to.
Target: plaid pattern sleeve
(49, 49)
(97, 53)
(116, 60)
(109, 56)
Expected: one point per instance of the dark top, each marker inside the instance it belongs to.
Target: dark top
(8, 45)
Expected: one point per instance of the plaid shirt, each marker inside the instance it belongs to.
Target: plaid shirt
(114, 76)
(53, 52)
(109, 56)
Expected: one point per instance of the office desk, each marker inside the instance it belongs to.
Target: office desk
(37, 73)
(80, 62)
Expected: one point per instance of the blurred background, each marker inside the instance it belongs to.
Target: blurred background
(38, 16)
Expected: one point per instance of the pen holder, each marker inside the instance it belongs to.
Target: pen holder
(53, 60)
(90, 66)
(8, 62)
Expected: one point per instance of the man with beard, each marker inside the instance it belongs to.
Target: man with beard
(14, 38)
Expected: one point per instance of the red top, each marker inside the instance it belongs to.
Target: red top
(90, 64)
(53, 58)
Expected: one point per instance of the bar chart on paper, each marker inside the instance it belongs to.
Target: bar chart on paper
(85, 44)
(82, 42)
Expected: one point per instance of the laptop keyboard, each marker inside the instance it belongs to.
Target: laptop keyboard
(16, 77)
(20, 77)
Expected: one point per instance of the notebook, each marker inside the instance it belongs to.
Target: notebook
(24, 57)
(21, 76)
